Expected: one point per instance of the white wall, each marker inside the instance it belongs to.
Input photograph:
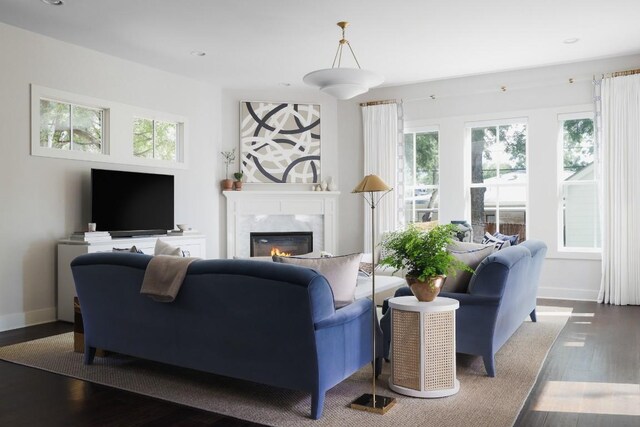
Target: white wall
(539, 95)
(230, 116)
(44, 199)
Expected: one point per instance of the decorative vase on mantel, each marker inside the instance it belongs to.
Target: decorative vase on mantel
(428, 290)
(227, 184)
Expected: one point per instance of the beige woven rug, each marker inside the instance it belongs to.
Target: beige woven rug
(482, 401)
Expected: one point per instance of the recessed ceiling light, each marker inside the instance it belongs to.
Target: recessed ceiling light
(198, 53)
(571, 40)
(284, 84)
(53, 2)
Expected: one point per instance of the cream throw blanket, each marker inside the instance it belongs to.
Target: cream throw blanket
(164, 276)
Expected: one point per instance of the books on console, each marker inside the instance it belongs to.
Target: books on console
(189, 232)
(90, 236)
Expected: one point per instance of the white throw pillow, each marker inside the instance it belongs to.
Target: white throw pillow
(499, 244)
(163, 248)
(340, 271)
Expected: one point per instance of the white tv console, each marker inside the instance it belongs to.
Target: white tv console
(69, 249)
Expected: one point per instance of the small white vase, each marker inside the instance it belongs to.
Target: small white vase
(331, 185)
(323, 185)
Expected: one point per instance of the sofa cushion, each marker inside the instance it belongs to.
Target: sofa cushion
(255, 258)
(458, 246)
(472, 258)
(340, 271)
(164, 248)
(513, 239)
(132, 249)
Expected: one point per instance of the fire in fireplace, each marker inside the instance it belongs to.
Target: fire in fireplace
(281, 243)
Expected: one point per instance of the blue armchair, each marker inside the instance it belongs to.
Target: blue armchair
(501, 293)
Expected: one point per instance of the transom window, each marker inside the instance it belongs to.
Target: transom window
(579, 187)
(67, 126)
(498, 189)
(155, 139)
(421, 176)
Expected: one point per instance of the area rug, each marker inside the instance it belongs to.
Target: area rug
(481, 401)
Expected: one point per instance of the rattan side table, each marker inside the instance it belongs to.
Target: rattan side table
(423, 347)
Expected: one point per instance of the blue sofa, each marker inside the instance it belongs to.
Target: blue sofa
(269, 323)
(501, 293)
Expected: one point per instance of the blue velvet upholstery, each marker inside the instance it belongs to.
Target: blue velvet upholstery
(265, 322)
(501, 294)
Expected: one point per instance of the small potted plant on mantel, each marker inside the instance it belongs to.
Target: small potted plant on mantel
(229, 158)
(238, 184)
(424, 256)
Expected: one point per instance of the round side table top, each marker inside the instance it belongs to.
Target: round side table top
(411, 303)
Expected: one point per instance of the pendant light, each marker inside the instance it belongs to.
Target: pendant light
(343, 83)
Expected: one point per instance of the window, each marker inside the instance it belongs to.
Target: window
(579, 190)
(421, 176)
(67, 126)
(155, 139)
(499, 179)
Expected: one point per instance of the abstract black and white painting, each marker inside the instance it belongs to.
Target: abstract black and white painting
(280, 142)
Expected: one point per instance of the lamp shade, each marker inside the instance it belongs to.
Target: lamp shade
(343, 83)
(371, 184)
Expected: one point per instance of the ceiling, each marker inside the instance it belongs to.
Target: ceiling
(267, 43)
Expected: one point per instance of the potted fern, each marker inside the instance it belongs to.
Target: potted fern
(424, 256)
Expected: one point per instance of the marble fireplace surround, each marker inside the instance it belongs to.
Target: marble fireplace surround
(253, 211)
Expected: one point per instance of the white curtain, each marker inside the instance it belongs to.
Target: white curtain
(380, 131)
(620, 110)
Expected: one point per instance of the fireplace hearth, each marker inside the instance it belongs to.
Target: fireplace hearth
(280, 243)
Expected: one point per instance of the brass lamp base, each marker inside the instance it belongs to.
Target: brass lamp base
(381, 405)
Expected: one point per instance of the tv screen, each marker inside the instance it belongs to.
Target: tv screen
(131, 203)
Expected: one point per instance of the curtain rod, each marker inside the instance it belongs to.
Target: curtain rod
(625, 73)
(386, 101)
(618, 74)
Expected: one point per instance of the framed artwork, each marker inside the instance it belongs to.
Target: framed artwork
(280, 142)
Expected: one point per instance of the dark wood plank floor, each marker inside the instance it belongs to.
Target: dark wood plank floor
(31, 397)
(610, 353)
(600, 344)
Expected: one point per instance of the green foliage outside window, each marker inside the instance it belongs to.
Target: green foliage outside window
(68, 126)
(578, 144)
(154, 139)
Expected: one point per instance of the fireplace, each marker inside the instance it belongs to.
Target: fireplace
(288, 242)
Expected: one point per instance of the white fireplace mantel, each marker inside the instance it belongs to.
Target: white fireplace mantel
(321, 203)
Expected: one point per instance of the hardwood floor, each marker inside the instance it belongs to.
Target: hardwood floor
(31, 397)
(600, 345)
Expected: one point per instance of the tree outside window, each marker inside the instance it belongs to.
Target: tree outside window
(154, 139)
(68, 126)
(421, 176)
(499, 179)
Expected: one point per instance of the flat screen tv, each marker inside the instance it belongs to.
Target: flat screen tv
(130, 203)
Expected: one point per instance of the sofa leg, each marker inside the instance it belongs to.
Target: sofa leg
(386, 345)
(317, 403)
(89, 354)
(489, 365)
(532, 315)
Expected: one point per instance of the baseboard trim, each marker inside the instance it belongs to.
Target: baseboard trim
(568, 293)
(27, 318)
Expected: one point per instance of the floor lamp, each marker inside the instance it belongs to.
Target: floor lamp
(373, 189)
